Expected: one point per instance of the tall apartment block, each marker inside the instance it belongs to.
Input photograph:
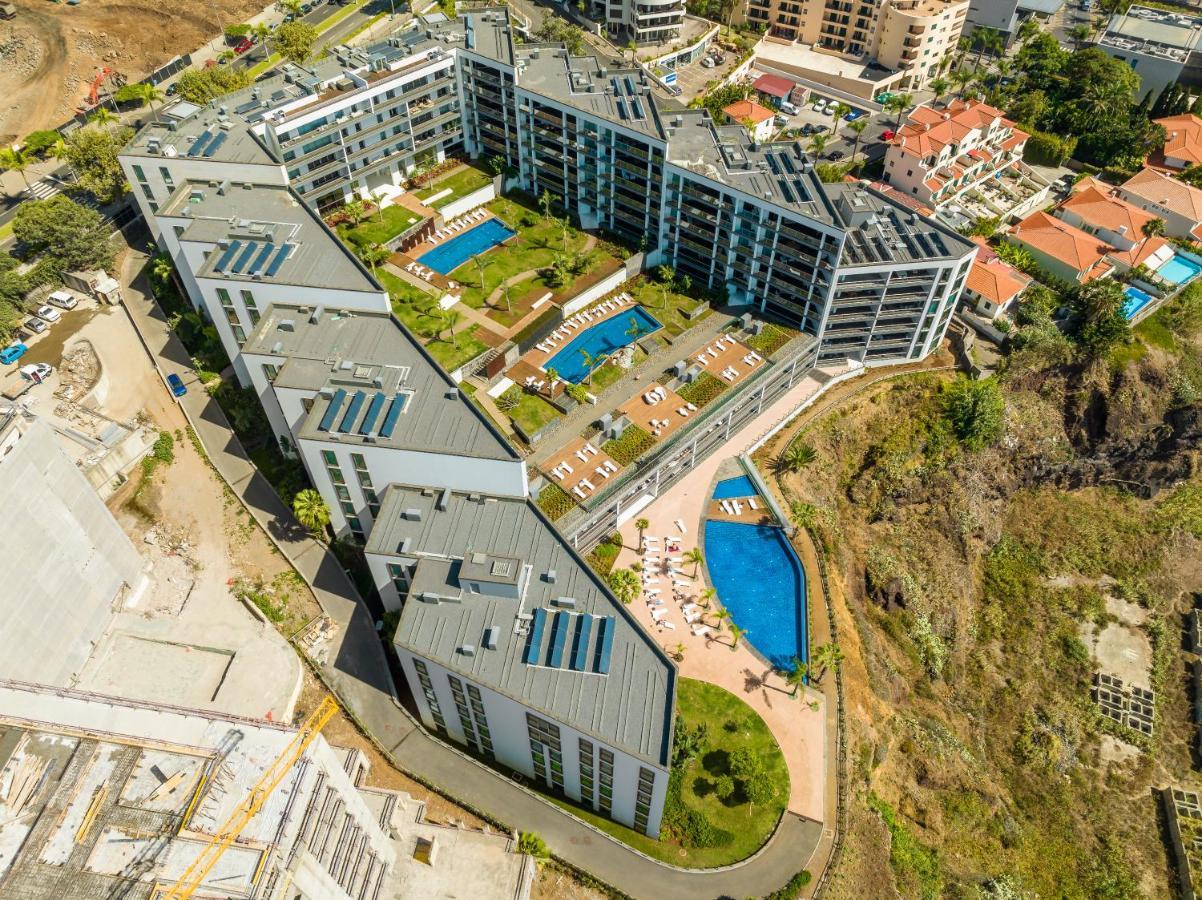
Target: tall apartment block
(509, 643)
(895, 44)
(643, 21)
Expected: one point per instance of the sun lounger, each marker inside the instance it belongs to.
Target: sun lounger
(580, 456)
(590, 449)
(654, 602)
(579, 493)
(684, 413)
(751, 502)
(652, 558)
(690, 618)
(681, 582)
(600, 471)
(658, 614)
(652, 591)
(725, 504)
(588, 484)
(558, 474)
(650, 579)
(692, 408)
(676, 560)
(650, 539)
(726, 374)
(566, 467)
(664, 623)
(738, 507)
(701, 630)
(611, 465)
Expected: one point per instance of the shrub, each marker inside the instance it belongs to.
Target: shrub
(769, 340)
(38, 142)
(702, 391)
(554, 502)
(577, 392)
(531, 843)
(510, 399)
(235, 33)
(688, 825)
(975, 411)
(633, 443)
(1046, 149)
(792, 890)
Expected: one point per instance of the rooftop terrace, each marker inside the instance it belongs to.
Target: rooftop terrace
(1154, 32)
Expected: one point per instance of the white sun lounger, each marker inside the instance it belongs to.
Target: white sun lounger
(600, 471)
(658, 614)
(664, 623)
(650, 579)
(588, 484)
(701, 630)
(655, 602)
(738, 507)
(580, 456)
(751, 502)
(676, 560)
(651, 592)
(579, 493)
(652, 558)
(611, 465)
(681, 582)
(558, 474)
(690, 618)
(650, 539)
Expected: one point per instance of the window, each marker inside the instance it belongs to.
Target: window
(251, 309)
(239, 335)
(270, 371)
(328, 457)
(139, 173)
(223, 297)
(399, 578)
(149, 194)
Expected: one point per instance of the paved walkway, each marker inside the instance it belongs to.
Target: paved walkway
(360, 676)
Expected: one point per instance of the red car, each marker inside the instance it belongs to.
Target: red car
(243, 45)
(889, 135)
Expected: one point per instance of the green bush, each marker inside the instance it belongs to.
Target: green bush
(769, 340)
(633, 443)
(531, 843)
(792, 890)
(554, 502)
(1044, 149)
(702, 391)
(688, 825)
(235, 33)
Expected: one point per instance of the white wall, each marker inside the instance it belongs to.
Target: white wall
(511, 742)
(468, 203)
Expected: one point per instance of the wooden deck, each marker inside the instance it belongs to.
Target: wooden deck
(725, 354)
(662, 418)
(584, 471)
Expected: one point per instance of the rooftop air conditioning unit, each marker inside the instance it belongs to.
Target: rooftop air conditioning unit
(412, 515)
(490, 637)
(467, 649)
(565, 602)
(287, 325)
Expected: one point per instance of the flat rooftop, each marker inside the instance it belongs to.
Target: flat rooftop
(1154, 32)
(353, 358)
(881, 231)
(566, 646)
(284, 243)
(803, 57)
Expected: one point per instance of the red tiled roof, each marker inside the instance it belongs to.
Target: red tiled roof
(927, 130)
(1059, 240)
(742, 110)
(995, 280)
(1100, 209)
(1166, 191)
(1183, 137)
(773, 86)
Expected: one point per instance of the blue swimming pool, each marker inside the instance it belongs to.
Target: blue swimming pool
(760, 580)
(446, 258)
(1136, 300)
(608, 336)
(1179, 270)
(735, 487)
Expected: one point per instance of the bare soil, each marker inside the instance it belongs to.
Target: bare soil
(51, 51)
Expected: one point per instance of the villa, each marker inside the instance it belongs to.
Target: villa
(1179, 204)
(994, 286)
(755, 118)
(1183, 141)
(1063, 250)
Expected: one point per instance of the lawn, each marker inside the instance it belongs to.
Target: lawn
(532, 413)
(608, 373)
(460, 182)
(535, 246)
(523, 295)
(451, 354)
(410, 303)
(380, 228)
(731, 725)
(650, 295)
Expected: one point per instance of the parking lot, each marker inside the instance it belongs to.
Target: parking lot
(843, 140)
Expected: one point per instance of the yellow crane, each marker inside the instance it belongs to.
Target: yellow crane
(196, 873)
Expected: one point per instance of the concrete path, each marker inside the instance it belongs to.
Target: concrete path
(359, 674)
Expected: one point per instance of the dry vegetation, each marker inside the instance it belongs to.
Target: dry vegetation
(976, 761)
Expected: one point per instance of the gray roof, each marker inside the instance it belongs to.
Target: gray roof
(370, 353)
(1155, 32)
(282, 224)
(881, 231)
(630, 707)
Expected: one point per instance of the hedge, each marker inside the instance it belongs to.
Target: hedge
(702, 391)
(770, 339)
(1044, 149)
(633, 443)
(554, 502)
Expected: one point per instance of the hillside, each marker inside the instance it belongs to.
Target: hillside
(974, 576)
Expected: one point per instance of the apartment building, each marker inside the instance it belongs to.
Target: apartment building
(942, 153)
(903, 42)
(642, 21)
(1161, 46)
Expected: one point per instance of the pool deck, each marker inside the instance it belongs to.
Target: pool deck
(726, 353)
(749, 516)
(800, 730)
(642, 413)
(582, 471)
(568, 333)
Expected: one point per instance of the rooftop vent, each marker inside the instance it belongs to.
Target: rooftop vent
(287, 325)
(550, 576)
(412, 515)
(403, 546)
(479, 559)
(467, 649)
(565, 602)
(490, 637)
(443, 499)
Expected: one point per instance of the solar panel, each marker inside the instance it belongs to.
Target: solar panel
(278, 259)
(629, 85)
(605, 645)
(636, 108)
(534, 642)
(373, 410)
(247, 252)
(803, 193)
(787, 164)
(352, 411)
(394, 412)
(261, 259)
(327, 421)
(214, 144)
(199, 144)
(771, 157)
(784, 189)
(227, 255)
(584, 627)
(617, 89)
(559, 637)
(622, 109)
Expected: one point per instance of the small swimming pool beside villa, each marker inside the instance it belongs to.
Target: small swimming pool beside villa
(1136, 300)
(600, 340)
(446, 258)
(1179, 270)
(761, 582)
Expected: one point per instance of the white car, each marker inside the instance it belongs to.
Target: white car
(37, 372)
(63, 300)
(820, 106)
(707, 63)
(48, 314)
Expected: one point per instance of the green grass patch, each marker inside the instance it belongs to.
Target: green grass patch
(533, 413)
(771, 339)
(702, 391)
(633, 443)
(555, 502)
(604, 555)
(1155, 331)
(608, 373)
(381, 227)
(453, 351)
(460, 183)
(915, 866)
(668, 307)
(410, 304)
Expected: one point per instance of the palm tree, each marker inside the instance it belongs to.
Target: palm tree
(641, 524)
(1028, 29)
(632, 48)
(707, 596)
(827, 656)
(796, 676)
(14, 159)
(290, 6)
(374, 254)
(962, 78)
(721, 615)
(311, 511)
(795, 458)
(1080, 34)
(840, 110)
(625, 584)
(1153, 228)
(735, 633)
(544, 204)
(590, 362)
(818, 143)
(148, 94)
(939, 86)
(481, 264)
(898, 103)
(355, 212)
(696, 557)
(858, 127)
(102, 117)
(262, 34)
(678, 652)
(447, 320)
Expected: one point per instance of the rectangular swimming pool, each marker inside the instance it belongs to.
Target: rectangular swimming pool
(600, 340)
(740, 486)
(1136, 300)
(446, 258)
(1179, 270)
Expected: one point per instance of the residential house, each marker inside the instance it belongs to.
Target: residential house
(1179, 204)
(993, 285)
(1182, 142)
(755, 119)
(1093, 208)
(1063, 250)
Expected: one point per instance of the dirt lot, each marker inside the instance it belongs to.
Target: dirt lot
(50, 52)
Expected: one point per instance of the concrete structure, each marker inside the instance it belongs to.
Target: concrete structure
(1183, 141)
(642, 21)
(1179, 204)
(1161, 46)
(1000, 15)
(111, 798)
(69, 564)
(939, 154)
(897, 44)
(521, 652)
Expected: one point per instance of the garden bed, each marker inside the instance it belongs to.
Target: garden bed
(633, 443)
(555, 502)
(704, 390)
(380, 227)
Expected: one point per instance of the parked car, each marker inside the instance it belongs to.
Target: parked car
(835, 155)
(12, 353)
(178, 388)
(63, 300)
(171, 89)
(819, 105)
(243, 45)
(788, 108)
(807, 129)
(49, 314)
(707, 63)
(853, 115)
(888, 134)
(819, 129)
(35, 326)
(781, 121)
(37, 372)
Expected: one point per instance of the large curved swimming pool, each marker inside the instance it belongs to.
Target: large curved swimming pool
(760, 580)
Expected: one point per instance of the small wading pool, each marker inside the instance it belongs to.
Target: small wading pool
(1136, 300)
(446, 258)
(600, 340)
(741, 486)
(760, 580)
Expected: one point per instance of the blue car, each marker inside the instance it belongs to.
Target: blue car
(177, 385)
(853, 115)
(12, 353)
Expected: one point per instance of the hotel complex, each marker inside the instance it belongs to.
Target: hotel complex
(510, 643)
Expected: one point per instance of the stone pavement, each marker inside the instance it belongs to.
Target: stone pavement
(359, 674)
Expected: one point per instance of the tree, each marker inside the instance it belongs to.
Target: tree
(857, 128)
(355, 212)
(696, 557)
(721, 615)
(1153, 228)
(373, 254)
(735, 633)
(447, 320)
(939, 87)
(102, 117)
(533, 845)
(1030, 108)
(759, 788)
(796, 457)
(678, 652)
(203, 85)
(555, 30)
(625, 584)
(898, 103)
(962, 78)
(544, 204)
(988, 40)
(841, 109)
(826, 656)
(482, 263)
(591, 362)
(311, 511)
(1028, 29)
(975, 410)
(92, 155)
(161, 270)
(707, 596)
(43, 143)
(294, 41)
(818, 143)
(641, 524)
(1080, 35)
(724, 787)
(1098, 319)
(139, 92)
(14, 159)
(744, 764)
(796, 676)
(73, 235)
